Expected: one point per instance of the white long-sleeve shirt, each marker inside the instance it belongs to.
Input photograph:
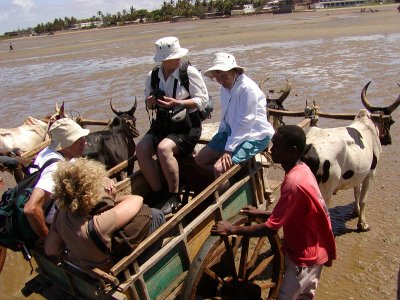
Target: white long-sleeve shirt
(197, 87)
(243, 108)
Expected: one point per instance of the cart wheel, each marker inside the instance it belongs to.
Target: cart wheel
(235, 267)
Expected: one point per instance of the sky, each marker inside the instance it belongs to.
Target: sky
(20, 14)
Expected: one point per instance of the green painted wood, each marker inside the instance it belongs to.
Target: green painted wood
(85, 287)
(235, 203)
(165, 271)
(53, 273)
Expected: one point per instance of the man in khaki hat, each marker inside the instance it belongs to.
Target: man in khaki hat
(67, 142)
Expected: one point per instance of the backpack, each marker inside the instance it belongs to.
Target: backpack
(15, 232)
(183, 75)
(125, 239)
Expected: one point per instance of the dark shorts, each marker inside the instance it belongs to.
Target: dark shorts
(184, 142)
(184, 138)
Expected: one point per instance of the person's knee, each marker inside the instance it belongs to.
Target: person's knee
(144, 149)
(218, 169)
(158, 217)
(200, 159)
(164, 151)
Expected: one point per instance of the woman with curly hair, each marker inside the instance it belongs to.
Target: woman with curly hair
(79, 186)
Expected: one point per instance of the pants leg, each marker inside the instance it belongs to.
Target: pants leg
(157, 220)
(299, 283)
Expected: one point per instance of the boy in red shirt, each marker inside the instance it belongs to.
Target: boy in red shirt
(308, 242)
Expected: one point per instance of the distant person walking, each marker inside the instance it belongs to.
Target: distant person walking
(11, 47)
(398, 8)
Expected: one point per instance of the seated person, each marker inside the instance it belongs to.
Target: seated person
(78, 188)
(244, 129)
(167, 137)
(67, 143)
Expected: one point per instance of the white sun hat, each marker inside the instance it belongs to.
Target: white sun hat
(64, 133)
(169, 48)
(223, 62)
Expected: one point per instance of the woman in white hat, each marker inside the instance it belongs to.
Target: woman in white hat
(175, 122)
(244, 129)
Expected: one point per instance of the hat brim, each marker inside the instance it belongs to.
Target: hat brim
(181, 53)
(220, 67)
(57, 146)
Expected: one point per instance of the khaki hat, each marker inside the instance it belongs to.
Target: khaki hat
(64, 133)
(222, 62)
(169, 48)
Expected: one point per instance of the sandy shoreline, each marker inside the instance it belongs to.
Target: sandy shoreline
(327, 55)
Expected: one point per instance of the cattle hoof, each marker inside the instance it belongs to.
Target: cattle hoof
(363, 227)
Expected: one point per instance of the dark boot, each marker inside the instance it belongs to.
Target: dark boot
(172, 205)
(154, 198)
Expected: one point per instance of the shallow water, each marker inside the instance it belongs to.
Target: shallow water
(328, 58)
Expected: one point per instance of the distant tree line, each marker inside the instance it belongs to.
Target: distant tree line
(184, 8)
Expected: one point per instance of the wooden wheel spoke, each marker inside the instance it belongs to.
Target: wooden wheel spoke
(235, 242)
(243, 257)
(261, 267)
(230, 258)
(268, 285)
(216, 256)
(214, 276)
(226, 266)
(256, 252)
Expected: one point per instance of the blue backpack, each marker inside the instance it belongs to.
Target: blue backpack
(15, 232)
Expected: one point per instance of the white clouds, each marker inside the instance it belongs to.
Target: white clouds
(16, 14)
(25, 4)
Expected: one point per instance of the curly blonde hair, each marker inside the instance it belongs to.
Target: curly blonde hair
(79, 185)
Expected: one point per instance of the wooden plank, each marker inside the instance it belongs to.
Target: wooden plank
(121, 166)
(304, 123)
(337, 116)
(36, 149)
(178, 217)
(84, 122)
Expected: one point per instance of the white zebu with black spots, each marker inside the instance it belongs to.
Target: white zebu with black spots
(346, 157)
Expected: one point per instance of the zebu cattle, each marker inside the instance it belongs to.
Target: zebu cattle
(116, 144)
(347, 157)
(24, 137)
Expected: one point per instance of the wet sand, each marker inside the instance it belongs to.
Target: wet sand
(328, 57)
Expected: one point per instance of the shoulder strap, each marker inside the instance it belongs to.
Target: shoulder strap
(183, 75)
(48, 163)
(95, 237)
(155, 81)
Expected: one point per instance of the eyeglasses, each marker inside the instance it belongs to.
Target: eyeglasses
(219, 75)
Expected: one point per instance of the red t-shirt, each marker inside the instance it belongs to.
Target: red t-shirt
(302, 212)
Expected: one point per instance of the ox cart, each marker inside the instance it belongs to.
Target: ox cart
(191, 264)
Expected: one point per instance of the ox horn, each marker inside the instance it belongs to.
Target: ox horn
(364, 99)
(129, 112)
(117, 112)
(133, 109)
(387, 110)
(393, 106)
(285, 93)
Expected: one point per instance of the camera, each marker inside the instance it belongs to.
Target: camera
(158, 94)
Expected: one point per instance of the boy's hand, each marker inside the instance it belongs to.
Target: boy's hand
(222, 228)
(255, 214)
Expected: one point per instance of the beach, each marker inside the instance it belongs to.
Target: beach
(327, 55)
